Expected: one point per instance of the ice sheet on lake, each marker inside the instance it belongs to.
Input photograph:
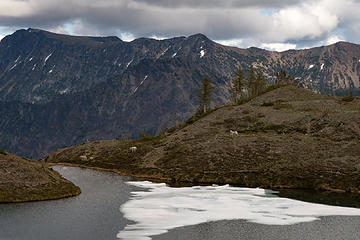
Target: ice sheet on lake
(160, 208)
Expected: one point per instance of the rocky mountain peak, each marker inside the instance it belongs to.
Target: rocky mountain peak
(199, 36)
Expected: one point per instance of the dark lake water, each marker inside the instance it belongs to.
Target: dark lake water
(111, 207)
(94, 214)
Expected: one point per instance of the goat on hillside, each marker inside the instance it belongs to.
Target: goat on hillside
(233, 133)
(133, 149)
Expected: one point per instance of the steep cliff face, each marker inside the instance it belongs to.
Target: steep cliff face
(58, 90)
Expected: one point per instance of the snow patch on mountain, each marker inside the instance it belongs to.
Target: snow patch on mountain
(64, 91)
(164, 51)
(13, 66)
(17, 59)
(141, 83)
(47, 58)
(127, 65)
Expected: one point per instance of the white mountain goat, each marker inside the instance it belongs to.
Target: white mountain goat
(233, 133)
(133, 149)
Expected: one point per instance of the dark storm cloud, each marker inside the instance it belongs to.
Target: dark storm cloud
(218, 19)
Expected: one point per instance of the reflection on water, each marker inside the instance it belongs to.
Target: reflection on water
(160, 208)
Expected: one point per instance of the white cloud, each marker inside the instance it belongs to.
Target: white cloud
(232, 42)
(279, 47)
(11, 8)
(333, 39)
(306, 21)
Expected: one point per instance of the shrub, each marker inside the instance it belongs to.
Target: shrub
(2, 152)
(180, 149)
(146, 136)
(348, 98)
(325, 112)
(198, 115)
(307, 108)
(267, 104)
(277, 105)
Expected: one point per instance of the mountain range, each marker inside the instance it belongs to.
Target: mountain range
(59, 90)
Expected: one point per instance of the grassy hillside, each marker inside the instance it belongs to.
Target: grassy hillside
(23, 180)
(287, 138)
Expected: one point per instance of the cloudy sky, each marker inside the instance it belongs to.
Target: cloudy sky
(271, 24)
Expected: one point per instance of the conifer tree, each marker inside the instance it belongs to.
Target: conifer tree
(283, 79)
(236, 86)
(260, 83)
(205, 95)
(251, 79)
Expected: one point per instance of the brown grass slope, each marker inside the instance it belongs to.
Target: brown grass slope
(23, 180)
(288, 138)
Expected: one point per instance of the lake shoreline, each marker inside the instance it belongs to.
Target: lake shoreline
(22, 180)
(155, 178)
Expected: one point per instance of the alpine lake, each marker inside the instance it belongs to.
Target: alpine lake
(115, 207)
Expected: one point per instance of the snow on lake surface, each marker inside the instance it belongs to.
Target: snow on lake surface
(160, 208)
